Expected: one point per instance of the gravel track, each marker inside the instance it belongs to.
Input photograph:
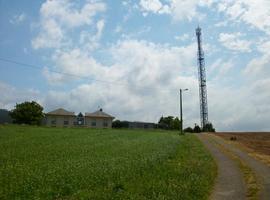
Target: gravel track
(229, 183)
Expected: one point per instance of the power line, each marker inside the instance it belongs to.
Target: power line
(79, 76)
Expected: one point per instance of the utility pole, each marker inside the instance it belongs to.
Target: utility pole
(181, 111)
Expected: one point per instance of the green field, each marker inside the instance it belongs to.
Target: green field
(67, 163)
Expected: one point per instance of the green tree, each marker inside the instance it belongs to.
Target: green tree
(119, 124)
(209, 127)
(169, 123)
(27, 113)
(196, 129)
(176, 124)
(188, 130)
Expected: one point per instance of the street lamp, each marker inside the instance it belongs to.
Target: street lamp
(181, 110)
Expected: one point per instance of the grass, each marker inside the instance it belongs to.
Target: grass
(59, 163)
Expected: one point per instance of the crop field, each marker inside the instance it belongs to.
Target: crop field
(70, 163)
(256, 143)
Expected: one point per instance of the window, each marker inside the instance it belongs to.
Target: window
(66, 122)
(53, 122)
(93, 123)
(105, 123)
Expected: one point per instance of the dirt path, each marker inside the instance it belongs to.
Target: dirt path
(261, 170)
(229, 183)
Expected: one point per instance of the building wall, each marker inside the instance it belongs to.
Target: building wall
(98, 122)
(141, 125)
(60, 121)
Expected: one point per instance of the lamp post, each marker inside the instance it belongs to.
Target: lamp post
(181, 110)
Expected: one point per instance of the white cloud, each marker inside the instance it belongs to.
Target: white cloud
(184, 9)
(154, 6)
(51, 36)
(90, 41)
(258, 67)
(11, 95)
(183, 37)
(144, 80)
(18, 19)
(66, 13)
(228, 111)
(177, 9)
(255, 13)
(118, 29)
(221, 24)
(73, 62)
(233, 42)
(219, 69)
(71, 55)
(57, 17)
(146, 76)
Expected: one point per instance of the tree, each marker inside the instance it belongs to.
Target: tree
(119, 124)
(188, 130)
(27, 113)
(196, 129)
(209, 127)
(116, 124)
(169, 123)
(176, 124)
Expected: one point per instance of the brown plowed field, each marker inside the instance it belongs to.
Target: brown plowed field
(259, 142)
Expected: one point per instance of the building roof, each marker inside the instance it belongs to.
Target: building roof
(98, 113)
(61, 111)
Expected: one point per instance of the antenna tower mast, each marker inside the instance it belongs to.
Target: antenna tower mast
(202, 81)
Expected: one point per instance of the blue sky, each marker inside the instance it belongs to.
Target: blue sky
(141, 52)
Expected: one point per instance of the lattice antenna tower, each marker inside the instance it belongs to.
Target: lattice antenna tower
(202, 80)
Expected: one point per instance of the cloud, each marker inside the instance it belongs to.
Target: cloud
(178, 9)
(141, 81)
(51, 36)
(66, 13)
(154, 6)
(183, 37)
(18, 19)
(11, 95)
(228, 111)
(233, 42)
(57, 17)
(220, 68)
(144, 84)
(258, 67)
(73, 65)
(255, 13)
(90, 42)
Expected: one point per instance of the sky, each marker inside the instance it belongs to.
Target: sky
(131, 57)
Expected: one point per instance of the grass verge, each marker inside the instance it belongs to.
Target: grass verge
(58, 163)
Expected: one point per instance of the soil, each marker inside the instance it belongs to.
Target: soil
(256, 141)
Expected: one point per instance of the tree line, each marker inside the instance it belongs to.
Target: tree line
(169, 123)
